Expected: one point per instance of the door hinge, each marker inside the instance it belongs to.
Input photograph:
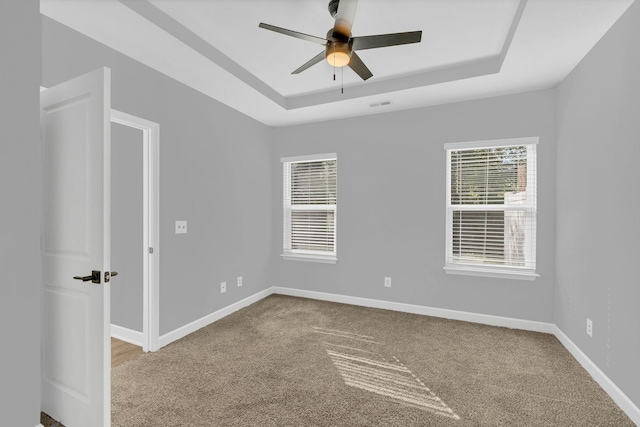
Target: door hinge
(150, 250)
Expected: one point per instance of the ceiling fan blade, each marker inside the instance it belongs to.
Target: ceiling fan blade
(313, 61)
(358, 66)
(344, 17)
(296, 34)
(384, 40)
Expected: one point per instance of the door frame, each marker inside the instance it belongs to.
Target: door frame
(151, 226)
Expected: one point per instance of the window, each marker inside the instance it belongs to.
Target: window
(491, 208)
(310, 196)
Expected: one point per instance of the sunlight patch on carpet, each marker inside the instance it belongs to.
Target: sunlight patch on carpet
(343, 334)
(372, 373)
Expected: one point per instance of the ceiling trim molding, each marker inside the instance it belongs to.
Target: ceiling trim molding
(483, 67)
(465, 70)
(512, 30)
(195, 42)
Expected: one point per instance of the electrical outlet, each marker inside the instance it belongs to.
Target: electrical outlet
(387, 282)
(223, 287)
(589, 327)
(181, 227)
(239, 281)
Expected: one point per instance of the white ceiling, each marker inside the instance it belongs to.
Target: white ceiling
(470, 49)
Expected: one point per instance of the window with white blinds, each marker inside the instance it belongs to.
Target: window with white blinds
(310, 201)
(491, 208)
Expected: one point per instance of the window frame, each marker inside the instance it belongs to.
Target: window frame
(483, 270)
(298, 254)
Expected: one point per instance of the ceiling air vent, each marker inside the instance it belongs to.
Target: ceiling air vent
(379, 104)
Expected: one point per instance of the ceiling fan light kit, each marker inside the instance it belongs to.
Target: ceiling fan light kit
(338, 53)
(340, 45)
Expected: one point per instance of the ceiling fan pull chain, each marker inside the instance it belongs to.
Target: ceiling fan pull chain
(334, 63)
(342, 83)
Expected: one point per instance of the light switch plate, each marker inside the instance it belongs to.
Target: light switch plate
(181, 227)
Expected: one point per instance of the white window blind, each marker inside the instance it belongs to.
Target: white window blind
(491, 207)
(310, 200)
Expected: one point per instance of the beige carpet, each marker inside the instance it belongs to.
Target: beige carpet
(288, 361)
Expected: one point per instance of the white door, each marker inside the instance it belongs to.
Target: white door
(76, 362)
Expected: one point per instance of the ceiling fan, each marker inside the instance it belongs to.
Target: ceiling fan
(340, 45)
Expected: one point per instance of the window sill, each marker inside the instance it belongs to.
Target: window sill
(326, 259)
(488, 272)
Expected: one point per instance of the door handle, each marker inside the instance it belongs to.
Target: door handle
(108, 276)
(95, 277)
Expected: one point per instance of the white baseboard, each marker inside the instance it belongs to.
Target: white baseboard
(485, 319)
(128, 335)
(185, 330)
(600, 377)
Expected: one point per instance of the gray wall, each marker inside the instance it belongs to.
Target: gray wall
(127, 226)
(391, 212)
(598, 200)
(20, 212)
(219, 172)
(214, 173)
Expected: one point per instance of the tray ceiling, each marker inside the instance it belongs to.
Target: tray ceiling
(470, 49)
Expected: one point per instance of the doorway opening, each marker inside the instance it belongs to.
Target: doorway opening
(135, 158)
